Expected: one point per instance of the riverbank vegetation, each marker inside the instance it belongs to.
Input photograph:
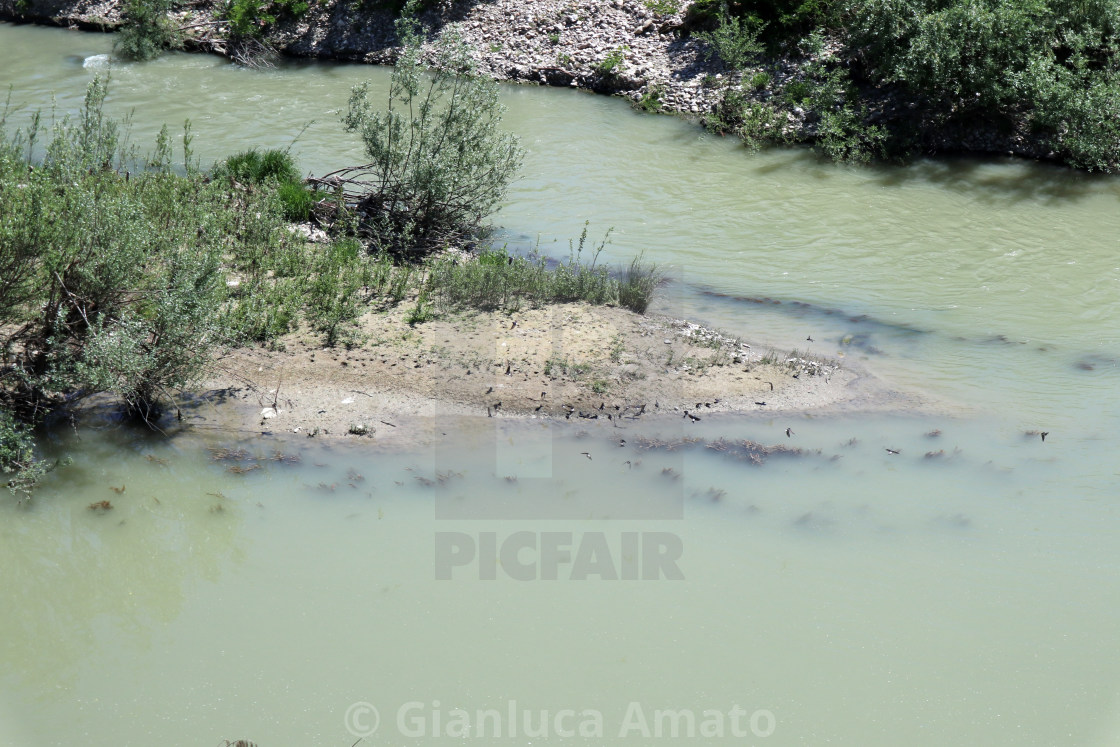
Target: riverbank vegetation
(146, 30)
(884, 79)
(439, 161)
(857, 80)
(125, 274)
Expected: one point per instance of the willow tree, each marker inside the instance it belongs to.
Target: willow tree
(439, 161)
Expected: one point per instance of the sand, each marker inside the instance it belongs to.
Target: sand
(570, 362)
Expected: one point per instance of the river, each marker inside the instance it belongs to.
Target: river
(845, 596)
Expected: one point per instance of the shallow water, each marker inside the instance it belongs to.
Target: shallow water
(842, 595)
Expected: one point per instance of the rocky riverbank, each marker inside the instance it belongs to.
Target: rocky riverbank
(553, 42)
(622, 47)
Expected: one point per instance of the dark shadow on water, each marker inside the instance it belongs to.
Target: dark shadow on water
(999, 181)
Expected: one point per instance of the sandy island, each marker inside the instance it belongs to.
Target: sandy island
(570, 362)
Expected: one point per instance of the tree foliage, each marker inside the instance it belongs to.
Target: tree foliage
(439, 162)
(1047, 70)
(114, 282)
(1051, 65)
(146, 31)
(734, 40)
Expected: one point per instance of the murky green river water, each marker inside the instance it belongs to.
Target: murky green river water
(847, 596)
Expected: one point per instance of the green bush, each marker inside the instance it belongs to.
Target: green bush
(118, 278)
(1050, 70)
(146, 31)
(275, 170)
(19, 466)
(113, 281)
(257, 167)
(609, 64)
(636, 289)
(791, 20)
(757, 124)
(297, 201)
(663, 7)
(797, 93)
(1053, 65)
(250, 18)
(650, 100)
(343, 280)
(439, 162)
(734, 41)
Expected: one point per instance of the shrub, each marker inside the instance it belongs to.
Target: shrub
(342, 284)
(439, 162)
(650, 100)
(756, 123)
(797, 93)
(638, 284)
(250, 18)
(112, 282)
(18, 463)
(297, 201)
(256, 167)
(161, 342)
(734, 41)
(276, 170)
(663, 7)
(790, 19)
(1053, 66)
(146, 31)
(609, 64)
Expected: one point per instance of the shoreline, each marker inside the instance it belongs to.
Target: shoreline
(571, 364)
(562, 43)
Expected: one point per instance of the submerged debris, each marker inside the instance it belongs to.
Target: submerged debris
(230, 455)
(239, 469)
(744, 450)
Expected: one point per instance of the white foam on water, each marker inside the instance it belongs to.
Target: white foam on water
(96, 61)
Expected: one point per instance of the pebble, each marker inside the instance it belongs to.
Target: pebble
(512, 40)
